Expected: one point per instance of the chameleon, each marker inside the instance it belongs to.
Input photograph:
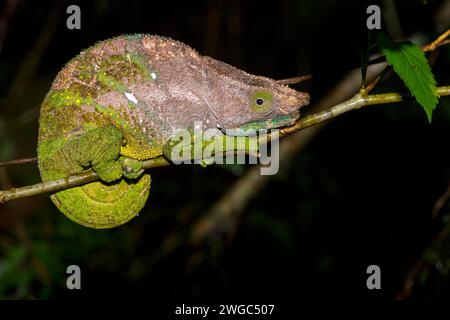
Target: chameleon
(120, 101)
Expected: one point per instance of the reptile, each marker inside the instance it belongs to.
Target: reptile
(120, 101)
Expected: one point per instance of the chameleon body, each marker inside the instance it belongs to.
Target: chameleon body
(120, 101)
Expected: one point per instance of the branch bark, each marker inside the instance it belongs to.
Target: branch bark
(18, 161)
(67, 182)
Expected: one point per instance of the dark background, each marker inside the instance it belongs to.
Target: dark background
(361, 192)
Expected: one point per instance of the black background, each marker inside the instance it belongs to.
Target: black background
(360, 193)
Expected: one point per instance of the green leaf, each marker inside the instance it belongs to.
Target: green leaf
(410, 63)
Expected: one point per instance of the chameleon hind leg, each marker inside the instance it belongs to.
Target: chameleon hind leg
(119, 195)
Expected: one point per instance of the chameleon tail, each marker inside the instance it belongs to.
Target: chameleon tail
(99, 205)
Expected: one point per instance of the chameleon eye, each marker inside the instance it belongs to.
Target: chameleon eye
(261, 102)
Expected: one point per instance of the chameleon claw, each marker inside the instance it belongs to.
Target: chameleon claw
(128, 169)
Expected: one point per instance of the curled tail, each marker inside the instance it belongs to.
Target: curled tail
(102, 204)
(99, 205)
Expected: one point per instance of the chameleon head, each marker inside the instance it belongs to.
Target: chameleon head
(244, 101)
(272, 106)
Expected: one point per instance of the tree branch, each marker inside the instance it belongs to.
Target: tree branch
(358, 101)
(295, 80)
(441, 40)
(67, 182)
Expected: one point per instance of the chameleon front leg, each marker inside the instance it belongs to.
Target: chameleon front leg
(132, 168)
(100, 149)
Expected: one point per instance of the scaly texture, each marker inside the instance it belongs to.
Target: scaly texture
(120, 101)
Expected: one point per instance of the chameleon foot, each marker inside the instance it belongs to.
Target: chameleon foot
(109, 171)
(132, 169)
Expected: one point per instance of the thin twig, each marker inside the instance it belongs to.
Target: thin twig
(295, 79)
(358, 101)
(441, 40)
(440, 203)
(371, 85)
(17, 161)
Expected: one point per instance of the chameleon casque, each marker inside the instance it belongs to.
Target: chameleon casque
(119, 102)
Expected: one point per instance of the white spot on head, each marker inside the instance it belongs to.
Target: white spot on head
(131, 97)
(153, 75)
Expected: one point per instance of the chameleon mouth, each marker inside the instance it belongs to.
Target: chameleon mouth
(275, 122)
(284, 121)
